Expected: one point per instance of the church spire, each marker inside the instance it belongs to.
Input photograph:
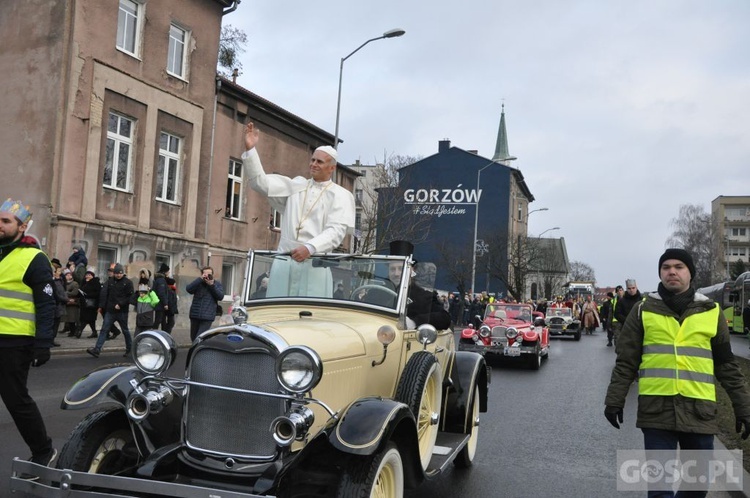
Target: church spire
(501, 148)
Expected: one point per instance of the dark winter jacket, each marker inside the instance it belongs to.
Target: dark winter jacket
(172, 297)
(38, 277)
(161, 290)
(91, 291)
(61, 297)
(79, 257)
(625, 304)
(116, 292)
(676, 413)
(425, 307)
(205, 298)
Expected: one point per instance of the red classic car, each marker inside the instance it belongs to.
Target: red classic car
(508, 331)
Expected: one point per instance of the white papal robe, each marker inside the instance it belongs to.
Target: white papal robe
(316, 214)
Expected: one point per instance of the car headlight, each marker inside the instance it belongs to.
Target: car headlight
(299, 369)
(511, 332)
(485, 331)
(154, 351)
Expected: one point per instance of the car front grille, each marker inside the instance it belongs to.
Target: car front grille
(228, 422)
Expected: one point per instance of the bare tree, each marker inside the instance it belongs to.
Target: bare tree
(231, 44)
(512, 260)
(552, 269)
(695, 231)
(581, 272)
(454, 259)
(383, 216)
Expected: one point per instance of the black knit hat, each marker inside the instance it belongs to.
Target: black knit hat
(680, 255)
(164, 268)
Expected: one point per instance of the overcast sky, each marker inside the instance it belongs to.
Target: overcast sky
(618, 111)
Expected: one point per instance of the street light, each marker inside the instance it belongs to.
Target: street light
(476, 224)
(548, 230)
(534, 211)
(388, 34)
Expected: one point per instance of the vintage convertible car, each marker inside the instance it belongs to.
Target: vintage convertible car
(507, 331)
(560, 321)
(299, 394)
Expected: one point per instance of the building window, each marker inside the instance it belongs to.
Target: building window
(129, 26)
(176, 56)
(738, 232)
(358, 219)
(275, 222)
(520, 211)
(105, 256)
(358, 196)
(227, 280)
(234, 190)
(168, 169)
(118, 156)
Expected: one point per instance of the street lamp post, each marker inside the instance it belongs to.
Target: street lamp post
(548, 230)
(388, 34)
(476, 225)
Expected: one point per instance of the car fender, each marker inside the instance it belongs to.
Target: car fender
(368, 423)
(112, 384)
(108, 384)
(468, 370)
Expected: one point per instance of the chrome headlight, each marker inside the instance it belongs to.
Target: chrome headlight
(299, 369)
(511, 332)
(485, 331)
(154, 351)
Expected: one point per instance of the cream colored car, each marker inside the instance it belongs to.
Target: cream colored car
(300, 391)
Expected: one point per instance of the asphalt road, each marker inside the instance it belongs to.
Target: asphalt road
(543, 436)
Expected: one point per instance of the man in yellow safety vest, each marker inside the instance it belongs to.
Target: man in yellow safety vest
(27, 312)
(676, 342)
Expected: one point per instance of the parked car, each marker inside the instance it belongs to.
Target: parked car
(507, 331)
(561, 321)
(296, 394)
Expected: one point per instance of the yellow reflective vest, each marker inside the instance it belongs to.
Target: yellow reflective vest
(17, 310)
(677, 359)
(612, 311)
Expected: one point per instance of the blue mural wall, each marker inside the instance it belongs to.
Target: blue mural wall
(443, 187)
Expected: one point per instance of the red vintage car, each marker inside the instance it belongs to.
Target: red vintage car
(508, 331)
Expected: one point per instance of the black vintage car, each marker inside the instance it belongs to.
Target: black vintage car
(299, 394)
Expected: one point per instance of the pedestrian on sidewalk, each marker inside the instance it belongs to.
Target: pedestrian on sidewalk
(171, 310)
(161, 290)
(677, 343)
(145, 302)
(90, 292)
(27, 312)
(207, 292)
(114, 303)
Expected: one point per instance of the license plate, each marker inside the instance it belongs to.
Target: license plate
(512, 351)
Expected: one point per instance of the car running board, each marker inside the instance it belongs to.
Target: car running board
(447, 446)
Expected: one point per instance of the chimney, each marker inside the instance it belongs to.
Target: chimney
(235, 73)
(444, 145)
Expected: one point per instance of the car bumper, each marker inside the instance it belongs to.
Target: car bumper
(498, 350)
(53, 483)
(563, 332)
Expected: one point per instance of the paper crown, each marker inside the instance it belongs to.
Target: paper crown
(17, 209)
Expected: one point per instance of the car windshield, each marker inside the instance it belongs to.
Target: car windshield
(367, 280)
(505, 311)
(559, 312)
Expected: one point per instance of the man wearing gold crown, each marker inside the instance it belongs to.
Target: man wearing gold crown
(27, 312)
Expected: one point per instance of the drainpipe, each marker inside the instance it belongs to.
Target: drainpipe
(211, 156)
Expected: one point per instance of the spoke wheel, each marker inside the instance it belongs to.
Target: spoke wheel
(102, 443)
(421, 389)
(465, 458)
(378, 476)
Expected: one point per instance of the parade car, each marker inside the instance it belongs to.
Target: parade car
(561, 321)
(507, 331)
(297, 393)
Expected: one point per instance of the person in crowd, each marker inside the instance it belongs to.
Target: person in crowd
(746, 317)
(114, 330)
(90, 291)
(337, 294)
(171, 310)
(145, 302)
(676, 343)
(626, 302)
(72, 306)
(144, 277)
(27, 313)
(207, 292)
(161, 290)
(605, 313)
(614, 323)
(61, 299)
(78, 257)
(589, 315)
(114, 304)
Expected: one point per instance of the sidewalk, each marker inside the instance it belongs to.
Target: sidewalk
(71, 345)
